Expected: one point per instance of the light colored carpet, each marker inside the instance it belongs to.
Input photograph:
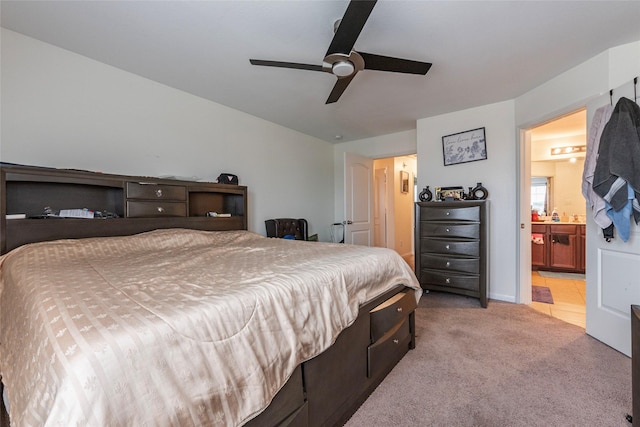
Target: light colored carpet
(506, 365)
(558, 275)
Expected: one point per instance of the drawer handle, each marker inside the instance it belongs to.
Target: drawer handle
(399, 309)
(159, 192)
(160, 209)
(447, 280)
(448, 264)
(447, 247)
(396, 341)
(447, 230)
(447, 213)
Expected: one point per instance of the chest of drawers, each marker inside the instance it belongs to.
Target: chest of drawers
(451, 247)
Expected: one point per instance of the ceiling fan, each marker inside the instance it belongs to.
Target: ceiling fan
(343, 62)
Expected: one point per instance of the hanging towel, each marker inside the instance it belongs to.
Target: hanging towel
(622, 218)
(538, 239)
(594, 201)
(618, 162)
(562, 239)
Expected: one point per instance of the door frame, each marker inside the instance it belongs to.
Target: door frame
(523, 151)
(380, 200)
(523, 178)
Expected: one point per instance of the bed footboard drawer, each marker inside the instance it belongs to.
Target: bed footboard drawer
(288, 407)
(391, 312)
(300, 418)
(387, 351)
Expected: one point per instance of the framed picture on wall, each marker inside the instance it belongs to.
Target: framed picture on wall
(404, 181)
(463, 147)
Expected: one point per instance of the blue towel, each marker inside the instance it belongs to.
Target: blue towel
(622, 218)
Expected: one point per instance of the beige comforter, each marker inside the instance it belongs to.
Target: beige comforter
(173, 327)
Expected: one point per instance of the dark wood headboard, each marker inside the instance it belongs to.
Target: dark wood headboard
(128, 204)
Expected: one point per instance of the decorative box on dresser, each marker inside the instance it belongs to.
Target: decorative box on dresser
(452, 246)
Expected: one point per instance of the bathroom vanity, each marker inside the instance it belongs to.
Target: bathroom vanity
(558, 246)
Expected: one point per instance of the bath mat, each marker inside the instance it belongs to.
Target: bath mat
(541, 294)
(557, 275)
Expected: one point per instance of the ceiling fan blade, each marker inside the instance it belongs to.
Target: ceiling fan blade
(350, 26)
(280, 64)
(339, 88)
(398, 65)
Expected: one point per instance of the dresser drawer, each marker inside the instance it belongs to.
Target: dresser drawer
(388, 350)
(391, 312)
(445, 246)
(434, 213)
(463, 265)
(452, 280)
(155, 209)
(435, 229)
(137, 190)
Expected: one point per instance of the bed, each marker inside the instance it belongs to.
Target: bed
(171, 321)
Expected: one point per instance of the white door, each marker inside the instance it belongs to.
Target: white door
(613, 270)
(380, 208)
(358, 203)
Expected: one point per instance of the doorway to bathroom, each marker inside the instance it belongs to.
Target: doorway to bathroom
(558, 216)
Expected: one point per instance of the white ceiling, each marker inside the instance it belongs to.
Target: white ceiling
(572, 125)
(482, 52)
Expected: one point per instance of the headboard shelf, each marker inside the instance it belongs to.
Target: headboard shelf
(140, 203)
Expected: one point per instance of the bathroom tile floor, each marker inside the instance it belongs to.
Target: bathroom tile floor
(569, 299)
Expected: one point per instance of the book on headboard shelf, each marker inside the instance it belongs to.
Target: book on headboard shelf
(16, 216)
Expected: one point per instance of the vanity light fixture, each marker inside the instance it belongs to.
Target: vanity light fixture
(572, 149)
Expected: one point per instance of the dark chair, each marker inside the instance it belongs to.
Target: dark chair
(286, 227)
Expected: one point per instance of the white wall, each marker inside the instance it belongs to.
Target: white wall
(64, 110)
(574, 88)
(565, 93)
(496, 173)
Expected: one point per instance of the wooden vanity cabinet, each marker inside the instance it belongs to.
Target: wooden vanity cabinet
(539, 251)
(582, 245)
(563, 248)
(563, 252)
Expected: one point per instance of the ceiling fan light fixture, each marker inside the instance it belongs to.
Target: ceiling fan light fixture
(343, 68)
(344, 62)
